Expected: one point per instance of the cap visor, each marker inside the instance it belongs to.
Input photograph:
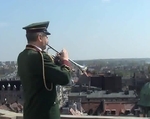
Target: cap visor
(47, 33)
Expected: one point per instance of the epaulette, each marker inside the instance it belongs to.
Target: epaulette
(51, 57)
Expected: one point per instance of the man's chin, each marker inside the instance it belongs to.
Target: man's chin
(44, 48)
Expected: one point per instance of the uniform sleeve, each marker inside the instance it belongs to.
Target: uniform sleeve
(57, 74)
(18, 59)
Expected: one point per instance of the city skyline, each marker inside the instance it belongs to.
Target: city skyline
(100, 29)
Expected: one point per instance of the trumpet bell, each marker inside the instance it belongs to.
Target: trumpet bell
(83, 68)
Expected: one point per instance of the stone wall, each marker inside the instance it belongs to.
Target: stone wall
(11, 115)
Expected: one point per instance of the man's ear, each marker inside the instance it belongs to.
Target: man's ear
(39, 38)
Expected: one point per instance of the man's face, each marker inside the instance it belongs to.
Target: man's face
(43, 41)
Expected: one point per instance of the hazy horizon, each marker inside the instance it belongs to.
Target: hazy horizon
(103, 59)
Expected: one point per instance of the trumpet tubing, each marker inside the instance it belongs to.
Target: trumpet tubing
(82, 68)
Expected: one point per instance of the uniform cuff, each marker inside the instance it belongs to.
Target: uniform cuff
(66, 63)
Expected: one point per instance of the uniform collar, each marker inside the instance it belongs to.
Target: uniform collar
(37, 47)
(34, 47)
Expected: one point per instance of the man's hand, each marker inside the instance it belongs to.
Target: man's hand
(64, 55)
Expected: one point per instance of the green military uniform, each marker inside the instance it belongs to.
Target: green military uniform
(39, 76)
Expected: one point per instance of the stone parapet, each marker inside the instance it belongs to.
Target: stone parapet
(11, 115)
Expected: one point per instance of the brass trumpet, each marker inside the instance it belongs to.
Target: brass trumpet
(82, 68)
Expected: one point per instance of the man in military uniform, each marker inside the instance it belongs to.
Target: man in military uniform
(39, 74)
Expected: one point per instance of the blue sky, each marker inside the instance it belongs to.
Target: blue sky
(88, 29)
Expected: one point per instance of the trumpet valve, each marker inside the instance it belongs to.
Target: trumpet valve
(57, 61)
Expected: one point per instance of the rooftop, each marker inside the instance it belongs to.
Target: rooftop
(102, 94)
